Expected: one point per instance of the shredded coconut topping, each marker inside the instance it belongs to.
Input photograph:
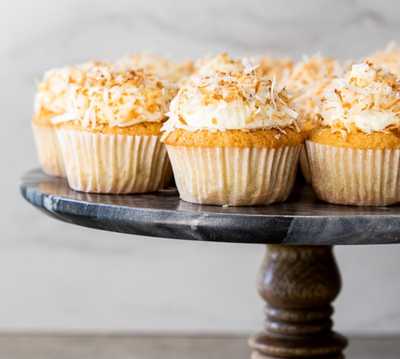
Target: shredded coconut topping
(220, 63)
(230, 97)
(307, 82)
(113, 97)
(367, 98)
(164, 68)
(388, 59)
(280, 68)
(53, 93)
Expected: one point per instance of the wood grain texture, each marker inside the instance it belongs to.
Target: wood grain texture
(298, 284)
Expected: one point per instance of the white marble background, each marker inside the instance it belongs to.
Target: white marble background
(55, 276)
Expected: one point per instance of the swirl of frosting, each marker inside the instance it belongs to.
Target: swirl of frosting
(235, 98)
(367, 98)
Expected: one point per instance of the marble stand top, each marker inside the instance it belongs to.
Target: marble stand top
(302, 220)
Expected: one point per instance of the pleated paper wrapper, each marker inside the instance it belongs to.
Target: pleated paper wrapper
(49, 152)
(355, 176)
(234, 176)
(114, 163)
(304, 165)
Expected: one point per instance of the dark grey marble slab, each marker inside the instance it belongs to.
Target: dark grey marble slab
(301, 220)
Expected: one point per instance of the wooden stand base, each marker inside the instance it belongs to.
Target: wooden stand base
(298, 284)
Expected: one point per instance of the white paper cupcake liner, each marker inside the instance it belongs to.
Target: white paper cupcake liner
(355, 176)
(49, 152)
(113, 163)
(304, 165)
(234, 176)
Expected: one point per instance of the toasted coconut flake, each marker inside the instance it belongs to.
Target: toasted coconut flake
(388, 59)
(308, 81)
(168, 70)
(118, 98)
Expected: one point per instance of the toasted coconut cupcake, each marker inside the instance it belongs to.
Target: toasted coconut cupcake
(174, 72)
(307, 82)
(232, 139)
(355, 155)
(110, 136)
(51, 101)
(387, 59)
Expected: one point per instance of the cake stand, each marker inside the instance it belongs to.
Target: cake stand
(299, 278)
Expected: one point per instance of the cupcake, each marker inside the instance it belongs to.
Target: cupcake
(51, 101)
(354, 157)
(109, 137)
(232, 139)
(307, 82)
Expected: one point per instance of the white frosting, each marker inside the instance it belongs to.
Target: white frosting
(230, 100)
(53, 93)
(223, 116)
(372, 120)
(367, 98)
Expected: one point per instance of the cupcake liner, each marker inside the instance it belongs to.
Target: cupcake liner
(304, 165)
(234, 176)
(355, 176)
(49, 152)
(113, 163)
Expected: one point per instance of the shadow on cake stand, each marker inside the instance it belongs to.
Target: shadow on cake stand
(299, 278)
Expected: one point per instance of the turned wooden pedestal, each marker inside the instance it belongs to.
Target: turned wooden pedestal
(299, 278)
(298, 284)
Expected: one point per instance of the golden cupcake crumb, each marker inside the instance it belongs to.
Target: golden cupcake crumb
(357, 139)
(272, 138)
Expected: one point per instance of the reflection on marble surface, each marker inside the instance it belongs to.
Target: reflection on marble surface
(301, 220)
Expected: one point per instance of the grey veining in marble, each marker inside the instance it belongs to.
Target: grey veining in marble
(301, 220)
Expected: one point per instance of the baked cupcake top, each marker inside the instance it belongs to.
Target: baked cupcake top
(307, 82)
(53, 92)
(157, 65)
(116, 98)
(366, 99)
(231, 99)
(388, 59)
